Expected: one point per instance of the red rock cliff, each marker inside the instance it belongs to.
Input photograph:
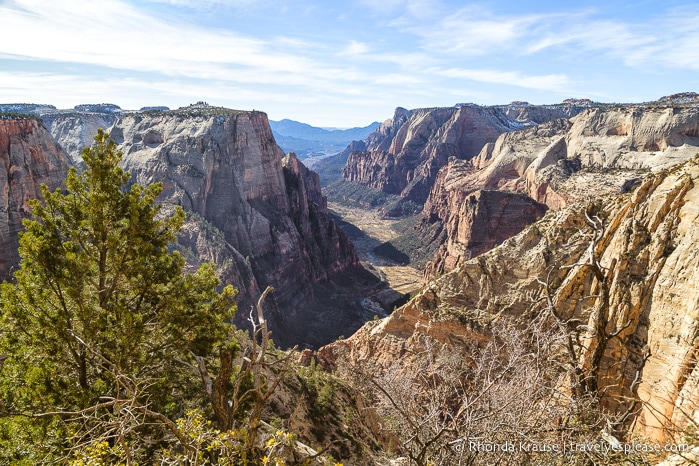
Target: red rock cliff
(30, 157)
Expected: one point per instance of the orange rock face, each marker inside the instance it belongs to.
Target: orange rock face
(30, 157)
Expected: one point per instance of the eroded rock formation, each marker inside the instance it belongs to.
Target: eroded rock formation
(75, 130)
(30, 157)
(405, 153)
(260, 216)
(602, 150)
(478, 221)
(649, 255)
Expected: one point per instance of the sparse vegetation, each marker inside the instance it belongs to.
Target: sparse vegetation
(352, 194)
(412, 247)
(18, 116)
(320, 385)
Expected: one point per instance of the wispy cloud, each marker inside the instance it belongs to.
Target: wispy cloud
(125, 38)
(552, 82)
(471, 31)
(312, 57)
(119, 36)
(202, 4)
(355, 48)
(475, 30)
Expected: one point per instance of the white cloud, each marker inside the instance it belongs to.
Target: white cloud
(400, 79)
(550, 82)
(476, 31)
(471, 31)
(203, 4)
(355, 48)
(116, 35)
(410, 52)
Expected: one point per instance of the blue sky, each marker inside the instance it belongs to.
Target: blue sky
(344, 63)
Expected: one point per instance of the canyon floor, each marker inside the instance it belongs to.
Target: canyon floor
(367, 230)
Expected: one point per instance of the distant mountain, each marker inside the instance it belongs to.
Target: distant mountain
(310, 141)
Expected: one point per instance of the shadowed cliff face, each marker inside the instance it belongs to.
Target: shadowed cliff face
(30, 157)
(649, 252)
(260, 216)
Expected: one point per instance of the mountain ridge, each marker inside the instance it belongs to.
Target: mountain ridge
(310, 141)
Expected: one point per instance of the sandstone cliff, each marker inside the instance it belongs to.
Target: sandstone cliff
(648, 251)
(30, 157)
(599, 151)
(74, 130)
(478, 221)
(266, 215)
(405, 153)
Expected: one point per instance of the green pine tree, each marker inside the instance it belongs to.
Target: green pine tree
(101, 321)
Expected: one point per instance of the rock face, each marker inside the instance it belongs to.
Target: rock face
(266, 215)
(261, 219)
(30, 157)
(475, 223)
(405, 153)
(599, 151)
(75, 130)
(649, 253)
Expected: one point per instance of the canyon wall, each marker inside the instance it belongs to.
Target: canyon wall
(259, 215)
(75, 130)
(30, 157)
(602, 150)
(648, 251)
(402, 157)
(478, 221)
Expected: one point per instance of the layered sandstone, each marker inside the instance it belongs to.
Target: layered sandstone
(227, 171)
(417, 143)
(30, 157)
(602, 150)
(76, 130)
(648, 251)
(478, 221)
(405, 153)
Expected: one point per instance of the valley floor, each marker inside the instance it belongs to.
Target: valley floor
(367, 230)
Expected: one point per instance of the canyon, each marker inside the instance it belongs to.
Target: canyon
(228, 171)
(578, 218)
(599, 151)
(402, 157)
(613, 186)
(257, 214)
(647, 248)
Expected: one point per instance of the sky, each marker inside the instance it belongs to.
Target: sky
(344, 63)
